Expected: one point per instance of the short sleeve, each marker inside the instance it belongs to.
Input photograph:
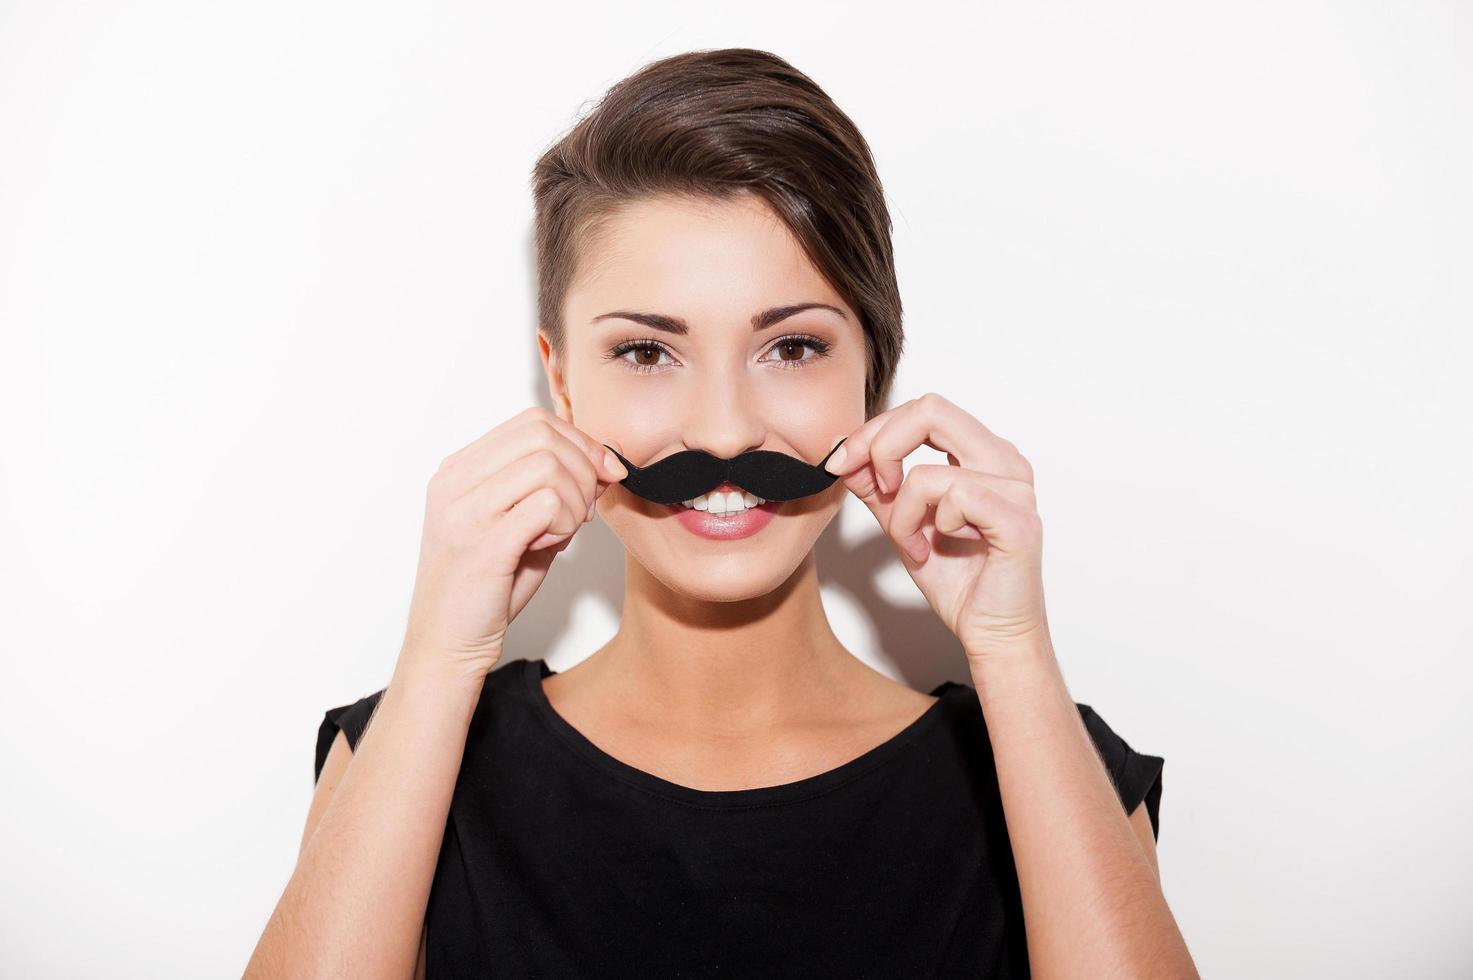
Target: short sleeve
(351, 719)
(1137, 776)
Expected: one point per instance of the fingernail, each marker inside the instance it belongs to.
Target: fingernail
(614, 465)
(592, 507)
(836, 461)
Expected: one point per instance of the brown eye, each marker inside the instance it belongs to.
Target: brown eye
(646, 355)
(795, 345)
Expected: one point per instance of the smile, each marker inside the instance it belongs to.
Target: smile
(725, 514)
(725, 499)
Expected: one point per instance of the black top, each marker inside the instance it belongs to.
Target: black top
(559, 860)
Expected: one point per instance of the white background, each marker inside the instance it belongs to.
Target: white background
(262, 265)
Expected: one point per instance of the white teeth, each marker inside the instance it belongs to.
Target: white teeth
(724, 502)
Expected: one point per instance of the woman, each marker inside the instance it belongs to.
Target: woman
(722, 788)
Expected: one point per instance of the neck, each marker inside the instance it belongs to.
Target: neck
(725, 668)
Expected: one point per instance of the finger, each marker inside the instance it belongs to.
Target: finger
(609, 468)
(540, 472)
(931, 420)
(464, 470)
(957, 494)
(548, 540)
(520, 527)
(855, 471)
(606, 469)
(531, 519)
(845, 461)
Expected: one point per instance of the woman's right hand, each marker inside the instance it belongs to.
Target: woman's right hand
(496, 514)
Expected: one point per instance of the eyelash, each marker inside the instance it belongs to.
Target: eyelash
(819, 347)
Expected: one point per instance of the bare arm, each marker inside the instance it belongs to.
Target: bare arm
(1092, 899)
(356, 901)
(1140, 820)
(333, 767)
(497, 512)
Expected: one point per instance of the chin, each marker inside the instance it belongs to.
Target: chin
(713, 571)
(726, 579)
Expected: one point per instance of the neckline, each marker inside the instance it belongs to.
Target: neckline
(533, 672)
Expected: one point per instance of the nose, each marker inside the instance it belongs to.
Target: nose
(724, 417)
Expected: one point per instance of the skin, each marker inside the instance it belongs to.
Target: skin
(773, 695)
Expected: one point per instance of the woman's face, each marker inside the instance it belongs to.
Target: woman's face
(795, 385)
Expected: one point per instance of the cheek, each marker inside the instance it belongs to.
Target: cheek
(638, 428)
(821, 507)
(830, 409)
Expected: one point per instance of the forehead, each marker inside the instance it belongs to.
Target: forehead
(697, 254)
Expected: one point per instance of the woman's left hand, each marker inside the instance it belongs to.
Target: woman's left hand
(968, 533)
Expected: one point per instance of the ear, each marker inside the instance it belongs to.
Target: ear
(557, 384)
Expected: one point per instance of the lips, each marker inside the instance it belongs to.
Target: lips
(730, 528)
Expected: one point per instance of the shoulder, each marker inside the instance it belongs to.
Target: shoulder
(352, 719)
(1136, 775)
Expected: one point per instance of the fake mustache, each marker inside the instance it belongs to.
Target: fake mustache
(692, 472)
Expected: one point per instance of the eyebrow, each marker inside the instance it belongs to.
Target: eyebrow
(675, 325)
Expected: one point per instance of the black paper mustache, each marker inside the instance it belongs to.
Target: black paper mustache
(692, 472)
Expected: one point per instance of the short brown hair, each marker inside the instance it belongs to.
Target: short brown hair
(718, 123)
